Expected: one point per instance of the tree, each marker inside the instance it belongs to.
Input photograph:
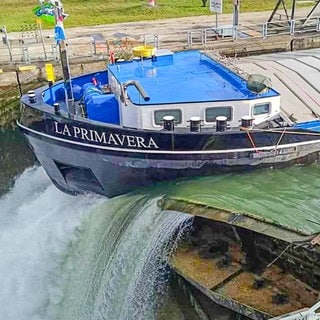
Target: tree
(204, 3)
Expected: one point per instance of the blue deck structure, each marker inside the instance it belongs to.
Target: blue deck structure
(313, 125)
(183, 77)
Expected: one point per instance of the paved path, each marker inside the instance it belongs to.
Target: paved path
(169, 30)
(172, 34)
(172, 26)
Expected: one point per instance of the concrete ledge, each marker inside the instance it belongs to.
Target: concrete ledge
(309, 42)
(256, 46)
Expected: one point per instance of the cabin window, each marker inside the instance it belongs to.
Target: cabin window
(261, 108)
(213, 113)
(159, 114)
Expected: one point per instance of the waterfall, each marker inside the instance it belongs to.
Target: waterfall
(85, 257)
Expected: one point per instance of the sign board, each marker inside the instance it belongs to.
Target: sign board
(216, 6)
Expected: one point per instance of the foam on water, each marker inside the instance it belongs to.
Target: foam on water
(37, 223)
(84, 257)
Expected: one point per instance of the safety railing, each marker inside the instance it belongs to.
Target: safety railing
(262, 30)
(16, 51)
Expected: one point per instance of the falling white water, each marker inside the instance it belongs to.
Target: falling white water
(85, 257)
(118, 268)
(37, 223)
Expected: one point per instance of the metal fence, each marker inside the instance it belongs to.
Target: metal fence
(31, 46)
(263, 30)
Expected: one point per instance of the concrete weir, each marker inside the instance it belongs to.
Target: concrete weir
(235, 264)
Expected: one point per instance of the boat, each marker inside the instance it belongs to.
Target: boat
(239, 265)
(159, 116)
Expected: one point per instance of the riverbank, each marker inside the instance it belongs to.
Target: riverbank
(93, 43)
(89, 48)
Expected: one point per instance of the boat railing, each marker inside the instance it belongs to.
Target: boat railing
(256, 82)
(228, 62)
(138, 86)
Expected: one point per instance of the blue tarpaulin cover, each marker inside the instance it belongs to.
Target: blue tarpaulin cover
(104, 108)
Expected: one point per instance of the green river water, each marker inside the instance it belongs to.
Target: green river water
(290, 197)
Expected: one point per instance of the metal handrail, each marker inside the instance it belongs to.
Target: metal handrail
(14, 51)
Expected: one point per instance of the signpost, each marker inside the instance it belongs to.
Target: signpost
(236, 5)
(6, 40)
(216, 6)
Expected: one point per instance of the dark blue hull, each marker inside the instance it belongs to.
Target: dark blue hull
(76, 166)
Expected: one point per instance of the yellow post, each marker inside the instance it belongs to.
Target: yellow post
(50, 72)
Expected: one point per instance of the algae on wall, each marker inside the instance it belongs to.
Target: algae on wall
(13, 83)
(9, 105)
(15, 156)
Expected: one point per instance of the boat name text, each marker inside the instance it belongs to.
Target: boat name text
(114, 139)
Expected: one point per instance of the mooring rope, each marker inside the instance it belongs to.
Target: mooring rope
(252, 142)
(289, 132)
(282, 134)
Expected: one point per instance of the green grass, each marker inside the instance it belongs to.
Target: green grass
(17, 14)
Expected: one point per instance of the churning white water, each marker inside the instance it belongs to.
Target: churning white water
(85, 257)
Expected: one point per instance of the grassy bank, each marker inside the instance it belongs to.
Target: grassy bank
(16, 15)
